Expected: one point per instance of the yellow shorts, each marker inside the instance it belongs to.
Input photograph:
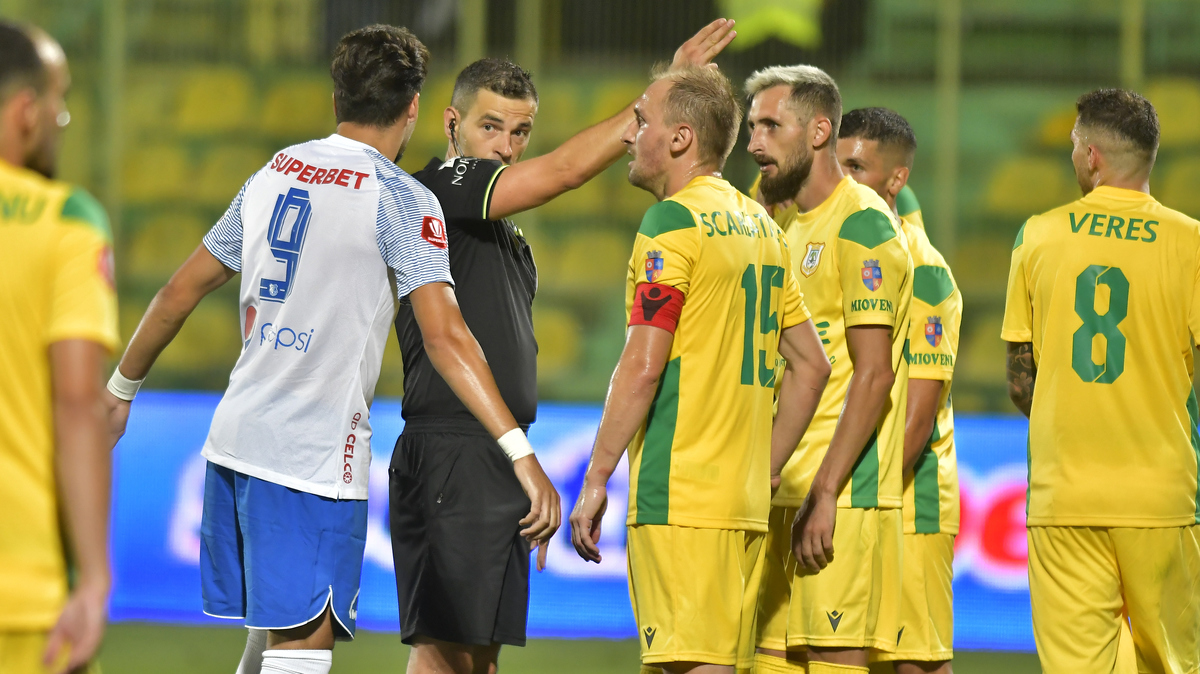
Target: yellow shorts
(852, 603)
(21, 653)
(1084, 582)
(694, 593)
(927, 601)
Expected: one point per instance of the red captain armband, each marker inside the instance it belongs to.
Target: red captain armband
(657, 305)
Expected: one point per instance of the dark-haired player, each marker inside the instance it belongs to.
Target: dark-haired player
(59, 309)
(327, 237)
(462, 566)
(876, 147)
(1103, 311)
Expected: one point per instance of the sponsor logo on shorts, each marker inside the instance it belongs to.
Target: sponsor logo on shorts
(649, 632)
(835, 617)
(348, 453)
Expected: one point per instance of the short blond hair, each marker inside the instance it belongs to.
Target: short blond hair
(813, 90)
(704, 99)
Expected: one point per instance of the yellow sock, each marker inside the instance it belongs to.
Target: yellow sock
(815, 667)
(770, 664)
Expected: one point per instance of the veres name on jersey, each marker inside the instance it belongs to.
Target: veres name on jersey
(1100, 224)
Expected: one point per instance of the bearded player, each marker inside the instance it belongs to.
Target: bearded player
(692, 394)
(876, 147)
(838, 508)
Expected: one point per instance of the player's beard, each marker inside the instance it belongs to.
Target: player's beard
(44, 158)
(788, 179)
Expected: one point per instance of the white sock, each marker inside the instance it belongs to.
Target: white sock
(297, 662)
(252, 658)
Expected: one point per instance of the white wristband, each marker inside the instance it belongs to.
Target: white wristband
(123, 387)
(515, 444)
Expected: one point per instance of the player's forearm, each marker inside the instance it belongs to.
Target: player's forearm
(920, 417)
(799, 394)
(629, 397)
(865, 400)
(457, 357)
(586, 154)
(164, 318)
(83, 464)
(1021, 375)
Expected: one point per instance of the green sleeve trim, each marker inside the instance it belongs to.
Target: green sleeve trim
(932, 285)
(83, 207)
(487, 195)
(666, 216)
(654, 472)
(926, 491)
(906, 201)
(868, 228)
(1020, 236)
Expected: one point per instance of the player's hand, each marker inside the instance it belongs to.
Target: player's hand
(586, 519)
(704, 46)
(116, 412)
(776, 480)
(545, 513)
(812, 531)
(79, 629)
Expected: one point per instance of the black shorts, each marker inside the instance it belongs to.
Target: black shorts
(462, 568)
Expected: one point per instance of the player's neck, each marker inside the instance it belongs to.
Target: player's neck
(1137, 183)
(822, 180)
(678, 179)
(386, 140)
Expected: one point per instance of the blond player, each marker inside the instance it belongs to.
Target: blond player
(59, 310)
(838, 509)
(876, 148)
(712, 303)
(1103, 310)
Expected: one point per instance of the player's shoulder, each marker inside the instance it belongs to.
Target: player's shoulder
(36, 199)
(906, 202)
(667, 216)
(80, 208)
(933, 282)
(866, 219)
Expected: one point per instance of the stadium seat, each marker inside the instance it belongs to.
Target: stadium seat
(1023, 186)
(224, 169)
(597, 259)
(154, 172)
(1177, 101)
(1178, 188)
(612, 96)
(299, 109)
(587, 200)
(559, 113)
(161, 244)
(559, 336)
(209, 340)
(982, 353)
(1054, 131)
(214, 100)
(982, 263)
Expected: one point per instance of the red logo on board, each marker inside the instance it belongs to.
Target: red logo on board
(434, 231)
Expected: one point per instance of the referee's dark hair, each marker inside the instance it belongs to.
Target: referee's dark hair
(20, 64)
(377, 71)
(884, 126)
(1127, 116)
(499, 76)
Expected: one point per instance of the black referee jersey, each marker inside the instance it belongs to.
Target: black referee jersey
(495, 280)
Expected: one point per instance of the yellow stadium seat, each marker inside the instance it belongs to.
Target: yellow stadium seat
(594, 258)
(982, 264)
(209, 339)
(225, 169)
(75, 153)
(1024, 186)
(983, 353)
(626, 202)
(1177, 101)
(299, 108)
(559, 116)
(161, 244)
(559, 336)
(154, 172)
(1180, 186)
(589, 199)
(150, 99)
(1054, 131)
(612, 97)
(214, 100)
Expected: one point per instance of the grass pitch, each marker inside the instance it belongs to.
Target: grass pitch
(136, 648)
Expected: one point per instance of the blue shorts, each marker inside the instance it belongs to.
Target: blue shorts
(276, 556)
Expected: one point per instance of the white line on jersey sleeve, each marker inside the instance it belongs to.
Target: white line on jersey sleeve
(408, 245)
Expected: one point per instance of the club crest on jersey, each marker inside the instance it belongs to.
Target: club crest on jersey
(812, 258)
(933, 331)
(872, 275)
(654, 265)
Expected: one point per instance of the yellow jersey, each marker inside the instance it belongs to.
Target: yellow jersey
(55, 250)
(702, 455)
(909, 208)
(1107, 288)
(931, 492)
(853, 265)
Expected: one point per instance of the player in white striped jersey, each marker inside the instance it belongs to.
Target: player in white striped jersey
(328, 237)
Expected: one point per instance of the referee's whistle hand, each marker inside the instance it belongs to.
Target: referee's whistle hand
(545, 513)
(586, 519)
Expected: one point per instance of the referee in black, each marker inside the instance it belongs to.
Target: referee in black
(462, 563)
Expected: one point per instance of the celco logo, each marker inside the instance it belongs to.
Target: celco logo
(285, 338)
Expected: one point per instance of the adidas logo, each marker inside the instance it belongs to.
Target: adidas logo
(649, 632)
(835, 617)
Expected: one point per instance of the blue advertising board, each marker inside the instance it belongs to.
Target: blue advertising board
(158, 496)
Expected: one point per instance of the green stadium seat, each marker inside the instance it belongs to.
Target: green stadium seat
(1024, 186)
(593, 258)
(1177, 101)
(154, 172)
(1179, 186)
(161, 244)
(299, 108)
(214, 100)
(1054, 131)
(559, 337)
(224, 169)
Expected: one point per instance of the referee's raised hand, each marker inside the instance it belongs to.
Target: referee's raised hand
(545, 514)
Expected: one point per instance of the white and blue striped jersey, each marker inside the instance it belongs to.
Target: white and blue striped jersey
(327, 237)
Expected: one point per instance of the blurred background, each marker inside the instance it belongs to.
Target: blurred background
(177, 102)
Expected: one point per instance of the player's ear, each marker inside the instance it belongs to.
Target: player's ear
(820, 132)
(414, 108)
(451, 121)
(898, 181)
(682, 139)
